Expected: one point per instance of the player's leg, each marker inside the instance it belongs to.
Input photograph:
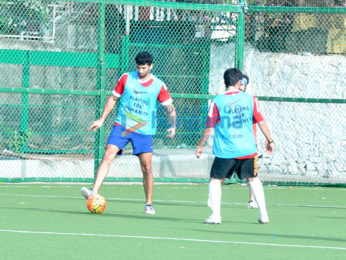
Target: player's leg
(249, 171)
(252, 202)
(115, 144)
(257, 189)
(143, 148)
(148, 178)
(220, 169)
(148, 181)
(102, 171)
(214, 201)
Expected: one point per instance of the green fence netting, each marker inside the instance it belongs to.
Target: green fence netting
(60, 60)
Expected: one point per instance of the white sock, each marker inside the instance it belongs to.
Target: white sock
(257, 190)
(215, 198)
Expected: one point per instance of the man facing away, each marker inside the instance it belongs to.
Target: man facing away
(232, 115)
(139, 92)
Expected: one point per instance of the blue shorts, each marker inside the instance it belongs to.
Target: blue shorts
(141, 143)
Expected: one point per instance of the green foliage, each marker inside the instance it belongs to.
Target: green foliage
(19, 140)
(250, 2)
(21, 16)
(258, 2)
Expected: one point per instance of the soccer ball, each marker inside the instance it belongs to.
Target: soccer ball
(96, 204)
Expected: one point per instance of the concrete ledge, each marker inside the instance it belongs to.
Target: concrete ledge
(166, 163)
(170, 164)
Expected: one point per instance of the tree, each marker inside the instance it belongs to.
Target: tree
(22, 16)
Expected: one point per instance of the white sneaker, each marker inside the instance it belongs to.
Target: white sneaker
(86, 193)
(212, 220)
(263, 220)
(252, 205)
(149, 209)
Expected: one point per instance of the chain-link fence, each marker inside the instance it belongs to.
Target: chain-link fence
(60, 60)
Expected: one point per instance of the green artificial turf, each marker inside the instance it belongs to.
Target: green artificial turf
(51, 221)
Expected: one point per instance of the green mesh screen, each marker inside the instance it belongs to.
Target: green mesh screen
(60, 60)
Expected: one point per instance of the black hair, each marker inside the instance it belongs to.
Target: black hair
(143, 58)
(232, 76)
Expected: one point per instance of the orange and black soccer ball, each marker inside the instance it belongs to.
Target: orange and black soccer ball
(97, 204)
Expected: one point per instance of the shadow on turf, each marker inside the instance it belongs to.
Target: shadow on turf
(137, 215)
(46, 210)
(276, 236)
(178, 203)
(166, 203)
(343, 218)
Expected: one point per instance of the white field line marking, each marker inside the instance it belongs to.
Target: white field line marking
(170, 238)
(239, 186)
(172, 201)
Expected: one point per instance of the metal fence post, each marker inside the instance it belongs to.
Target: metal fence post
(239, 48)
(25, 98)
(125, 51)
(101, 82)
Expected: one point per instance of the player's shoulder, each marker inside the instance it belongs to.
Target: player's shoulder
(133, 74)
(254, 98)
(225, 95)
(124, 77)
(158, 80)
(220, 96)
(124, 74)
(217, 97)
(250, 96)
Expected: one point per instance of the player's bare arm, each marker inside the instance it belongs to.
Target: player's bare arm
(110, 104)
(269, 144)
(205, 135)
(172, 117)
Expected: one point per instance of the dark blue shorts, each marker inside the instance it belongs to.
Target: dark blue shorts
(141, 143)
